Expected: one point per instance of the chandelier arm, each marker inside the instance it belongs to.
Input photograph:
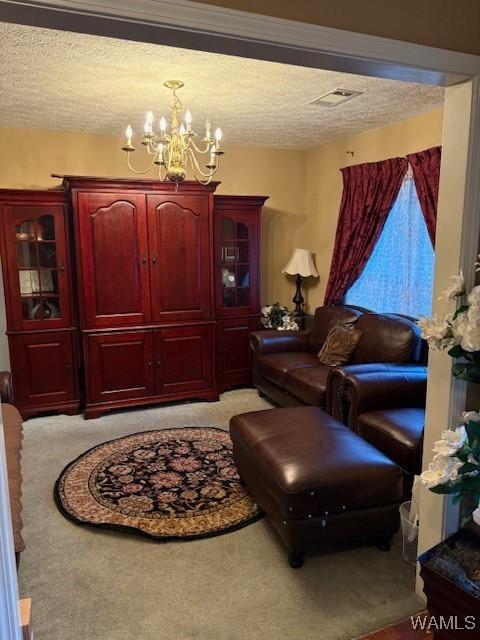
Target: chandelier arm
(197, 167)
(198, 150)
(135, 170)
(197, 172)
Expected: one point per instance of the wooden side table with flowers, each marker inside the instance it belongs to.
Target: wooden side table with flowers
(451, 570)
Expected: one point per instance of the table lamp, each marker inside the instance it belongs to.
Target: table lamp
(300, 265)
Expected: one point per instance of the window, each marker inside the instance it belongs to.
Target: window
(398, 277)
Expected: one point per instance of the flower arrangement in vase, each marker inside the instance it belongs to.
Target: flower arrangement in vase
(274, 316)
(458, 332)
(455, 468)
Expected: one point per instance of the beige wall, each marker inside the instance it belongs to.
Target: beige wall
(447, 24)
(305, 187)
(29, 157)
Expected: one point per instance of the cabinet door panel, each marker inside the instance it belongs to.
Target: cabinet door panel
(44, 368)
(233, 351)
(236, 262)
(114, 259)
(120, 365)
(37, 274)
(179, 231)
(183, 358)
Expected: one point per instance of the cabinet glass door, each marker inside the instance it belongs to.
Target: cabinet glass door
(36, 249)
(235, 262)
(236, 251)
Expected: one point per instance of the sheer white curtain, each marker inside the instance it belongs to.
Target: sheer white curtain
(398, 278)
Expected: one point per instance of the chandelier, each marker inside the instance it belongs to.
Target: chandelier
(176, 151)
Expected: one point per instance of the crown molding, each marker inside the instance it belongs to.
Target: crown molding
(193, 25)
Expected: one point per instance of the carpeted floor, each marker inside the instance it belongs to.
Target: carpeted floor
(101, 585)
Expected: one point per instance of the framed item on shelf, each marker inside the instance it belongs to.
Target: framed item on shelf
(31, 282)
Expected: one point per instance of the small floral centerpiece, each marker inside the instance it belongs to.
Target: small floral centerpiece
(458, 332)
(274, 316)
(455, 468)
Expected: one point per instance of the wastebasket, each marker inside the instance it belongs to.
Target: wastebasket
(409, 533)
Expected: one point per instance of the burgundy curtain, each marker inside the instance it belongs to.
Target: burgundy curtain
(369, 191)
(426, 173)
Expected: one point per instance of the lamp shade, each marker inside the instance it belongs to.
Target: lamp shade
(300, 263)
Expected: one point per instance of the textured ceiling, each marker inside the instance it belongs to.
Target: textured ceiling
(75, 82)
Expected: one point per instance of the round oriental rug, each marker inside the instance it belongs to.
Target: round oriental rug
(166, 484)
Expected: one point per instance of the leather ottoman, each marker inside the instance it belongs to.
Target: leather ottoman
(319, 483)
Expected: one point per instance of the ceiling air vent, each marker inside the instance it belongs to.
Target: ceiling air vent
(335, 97)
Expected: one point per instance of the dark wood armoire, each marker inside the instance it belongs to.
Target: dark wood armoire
(123, 292)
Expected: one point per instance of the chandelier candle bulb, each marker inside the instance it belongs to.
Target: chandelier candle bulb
(129, 133)
(188, 120)
(175, 151)
(213, 160)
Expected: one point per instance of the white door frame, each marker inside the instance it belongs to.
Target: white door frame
(9, 613)
(193, 25)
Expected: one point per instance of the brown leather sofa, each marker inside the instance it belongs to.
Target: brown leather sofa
(286, 368)
(12, 428)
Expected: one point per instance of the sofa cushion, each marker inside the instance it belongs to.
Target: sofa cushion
(274, 366)
(385, 339)
(325, 319)
(12, 428)
(308, 384)
(339, 346)
(398, 433)
(312, 465)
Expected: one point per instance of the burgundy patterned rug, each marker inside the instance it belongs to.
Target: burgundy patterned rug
(166, 484)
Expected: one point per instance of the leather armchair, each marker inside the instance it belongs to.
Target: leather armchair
(378, 390)
(6, 390)
(387, 409)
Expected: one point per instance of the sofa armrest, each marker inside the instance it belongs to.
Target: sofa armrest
(263, 342)
(6, 391)
(383, 390)
(336, 403)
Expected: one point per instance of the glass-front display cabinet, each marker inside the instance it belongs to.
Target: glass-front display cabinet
(237, 283)
(236, 248)
(37, 286)
(35, 247)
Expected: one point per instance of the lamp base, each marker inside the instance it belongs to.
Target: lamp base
(298, 300)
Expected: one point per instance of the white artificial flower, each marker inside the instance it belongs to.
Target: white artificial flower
(437, 332)
(471, 339)
(441, 470)
(451, 442)
(288, 324)
(466, 333)
(266, 311)
(470, 416)
(474, 296)
(456, 289)
(476, 515)
(473, 315)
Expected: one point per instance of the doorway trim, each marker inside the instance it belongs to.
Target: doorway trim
(192, 25)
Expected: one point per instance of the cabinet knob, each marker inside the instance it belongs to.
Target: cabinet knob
(154, 260)
(158, 363)
(149, 363)
(68, 367)
(61, 268)
(144, 260)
